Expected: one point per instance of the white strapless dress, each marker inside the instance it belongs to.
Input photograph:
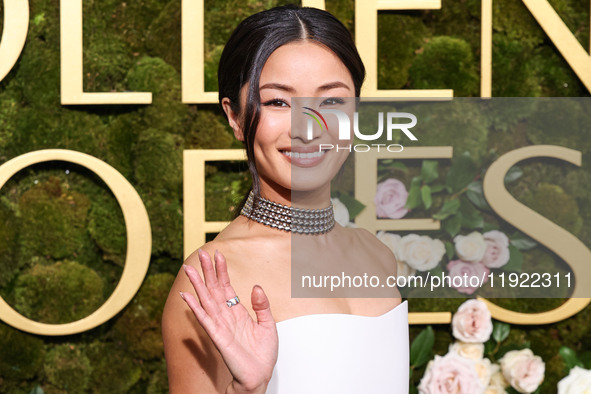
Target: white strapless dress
(343, 354)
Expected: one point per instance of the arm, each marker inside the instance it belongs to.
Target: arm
(194, 364)
(210, 347)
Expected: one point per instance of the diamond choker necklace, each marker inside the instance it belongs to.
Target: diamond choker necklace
(282, 217)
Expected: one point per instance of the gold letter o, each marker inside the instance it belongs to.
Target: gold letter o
(139, 242)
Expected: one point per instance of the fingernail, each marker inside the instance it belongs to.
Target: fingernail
(182, 295)
(185, 267)
(216, 252)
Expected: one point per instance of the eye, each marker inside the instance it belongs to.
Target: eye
(276, 103)
(333, 101)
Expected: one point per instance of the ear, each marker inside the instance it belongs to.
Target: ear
(233, 119)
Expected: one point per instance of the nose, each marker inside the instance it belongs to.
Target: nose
(307, 124)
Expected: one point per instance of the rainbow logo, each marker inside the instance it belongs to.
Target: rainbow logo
(316, 118)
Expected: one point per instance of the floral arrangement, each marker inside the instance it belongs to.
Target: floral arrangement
(479, 361)
(472, 242)
(578, 380)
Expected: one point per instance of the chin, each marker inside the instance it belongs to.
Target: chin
(308, 182)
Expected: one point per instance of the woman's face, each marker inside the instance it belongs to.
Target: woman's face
(285, 153)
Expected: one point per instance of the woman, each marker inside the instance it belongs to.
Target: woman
(216, 342)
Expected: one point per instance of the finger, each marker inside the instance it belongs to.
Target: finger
(261, 306)
(221, 268)
(202, 316)
(211, 280)
(207, 301)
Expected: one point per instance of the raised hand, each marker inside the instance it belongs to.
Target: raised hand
(248, 347)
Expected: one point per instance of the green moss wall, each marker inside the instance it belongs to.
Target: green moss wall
(62, 236)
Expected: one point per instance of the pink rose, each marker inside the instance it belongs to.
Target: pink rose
(497, 249)
(467, 277)
(450, 374)
(472, 322)
(523, 370)
(390, 199)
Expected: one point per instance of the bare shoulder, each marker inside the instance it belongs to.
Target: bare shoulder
(371, 243)
(191, 357)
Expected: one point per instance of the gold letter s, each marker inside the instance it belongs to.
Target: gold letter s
(557, 239)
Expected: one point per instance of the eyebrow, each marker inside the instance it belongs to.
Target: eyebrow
(287, 88)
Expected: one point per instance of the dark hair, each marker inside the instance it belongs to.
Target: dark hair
(255, 39)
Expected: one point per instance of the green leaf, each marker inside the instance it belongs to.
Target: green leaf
(471, 217)
(450, 207)
(513, 174)
(511, 390)
(452, 224)
(461, 173)
(437, 188)
(412, 389)
(426, 196)
(522, 241)
(570, 357)
(524, 244)
(399, 166)
(500, 331)
(421, 347)
(489, 346)
(429, 171)
(515, 260)
(585, 358)
(437, 271)
(473, 221)
(476, 195)
(414, 193)
(353, 206)
(450, 250)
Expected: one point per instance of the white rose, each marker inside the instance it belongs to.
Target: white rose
(341, 213)
(495, 390)
(578, 381)
(497, 379)
(421, 252)
(497, 249)
(523, 370)
(472, 322)
(472, 351)
(392, 241)
(450, 374)
(470, 247)
(484, 369)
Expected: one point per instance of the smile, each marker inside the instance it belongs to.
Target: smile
(298, 155)
(304, 159)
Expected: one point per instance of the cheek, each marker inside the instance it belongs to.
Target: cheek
(271, 127)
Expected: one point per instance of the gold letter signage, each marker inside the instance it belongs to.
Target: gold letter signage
(71, 63)
(564, 244)
(139, 242)
(16, 24)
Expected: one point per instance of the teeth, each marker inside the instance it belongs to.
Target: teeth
(297, 155)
